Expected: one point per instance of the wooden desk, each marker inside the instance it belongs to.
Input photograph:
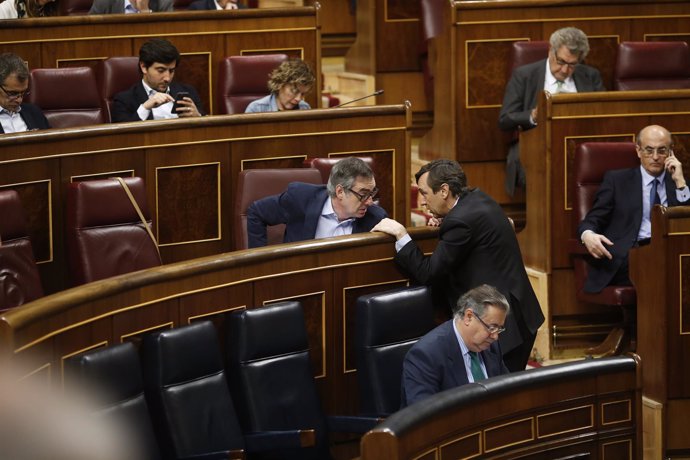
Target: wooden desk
(471, 69)
(326, 275)
(203, 38)
(660, 272)
(190, 169)
(547, 152)
(585, 409)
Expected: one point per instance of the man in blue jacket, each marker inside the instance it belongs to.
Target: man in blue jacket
(345, 205)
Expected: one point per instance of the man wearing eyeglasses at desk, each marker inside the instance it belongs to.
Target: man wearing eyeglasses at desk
(346, 205)
(15, 114)
(462, 350)
(561, 72)
(620, 216)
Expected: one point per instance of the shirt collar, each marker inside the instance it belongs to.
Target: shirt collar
(463, 347)
(328, 211)
(4, 110)
(647, 178)
(148, 89)
(551, 80)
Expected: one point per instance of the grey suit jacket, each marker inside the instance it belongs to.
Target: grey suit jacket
(118, 6)
(520, 98)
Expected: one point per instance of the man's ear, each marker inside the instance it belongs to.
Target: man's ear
(142, 67)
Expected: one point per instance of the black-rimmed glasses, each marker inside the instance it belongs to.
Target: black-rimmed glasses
(661, 151)
(15, 94)
(365, 196)
(492, 329)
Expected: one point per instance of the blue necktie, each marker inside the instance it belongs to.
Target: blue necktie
(476, 367)
(654, 197)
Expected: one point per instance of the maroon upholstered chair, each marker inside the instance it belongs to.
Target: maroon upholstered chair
(105, 235)
(74, 7)
(254, 184)
(592, 160)
(69, 97)
(652, 65)
(116, 74)
(19, 279)
(181, 5)
(243, 79)
(324, 165)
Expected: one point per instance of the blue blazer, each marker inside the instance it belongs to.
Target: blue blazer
(299, 208)
(617, 214)
(435, 364)
(33, 117)
(126, 103)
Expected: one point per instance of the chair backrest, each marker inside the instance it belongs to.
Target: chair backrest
(592, 161)
(388, 324)
(271, 377)
(254, 184)
(526, 52)
(19, 279)
(187, 390)
(116, 74)
(324, 165)
(105, 236)
(74, 7)
(69, 96)
(652, 65)
(181, 5)
(115, 374)
(243, 79)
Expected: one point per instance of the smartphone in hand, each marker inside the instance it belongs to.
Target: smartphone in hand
(178, 97)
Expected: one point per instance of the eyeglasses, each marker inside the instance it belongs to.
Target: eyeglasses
(365, 196)
(561, 62)
(650, 151)
(491, 329)
(15, 94)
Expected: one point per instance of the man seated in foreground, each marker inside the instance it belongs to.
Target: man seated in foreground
(344, 206)
(620, 216)
(462, 350)
(157, 96)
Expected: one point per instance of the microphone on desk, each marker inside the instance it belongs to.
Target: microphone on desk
(375, 93)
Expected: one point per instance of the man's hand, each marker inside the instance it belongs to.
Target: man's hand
(391, 227)
(534, 114)
(157, 99)
(187, 108)
(675, 169)
(594, 242)
(434, 222)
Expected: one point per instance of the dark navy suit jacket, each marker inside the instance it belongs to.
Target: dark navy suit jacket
(435, 364)
(299, 208)
(617, 214)
(126, 103)
(207, 5)
(32, 116)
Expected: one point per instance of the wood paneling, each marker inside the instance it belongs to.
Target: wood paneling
(190, 169)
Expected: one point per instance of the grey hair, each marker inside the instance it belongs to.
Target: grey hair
(345, 172)
(11, 64)
(572, 38)
(478, 299)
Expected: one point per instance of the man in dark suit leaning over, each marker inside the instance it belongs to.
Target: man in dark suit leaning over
(15, 114)
(561, 72)
(477, 246)
(154, 97)
(462, 350)
(620, 216)
(344, 206)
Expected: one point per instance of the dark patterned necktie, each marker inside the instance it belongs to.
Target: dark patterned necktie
(476, 367)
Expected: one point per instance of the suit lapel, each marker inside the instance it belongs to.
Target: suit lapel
(456, 364)
(313, 212)
(140, 97)
(537, 82)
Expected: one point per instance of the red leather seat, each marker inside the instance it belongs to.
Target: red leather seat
(69, 97)
(592, 160)
(105, 236)
(524, 52)
(324, 165)
(19, 279)
(254, 184)
(243, 79)
(116, 74)
(652, 65)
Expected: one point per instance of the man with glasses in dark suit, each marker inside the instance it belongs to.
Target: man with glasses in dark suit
(561, 72)
(345, 205)
(620, 216)
(15, 114)
(462, 350)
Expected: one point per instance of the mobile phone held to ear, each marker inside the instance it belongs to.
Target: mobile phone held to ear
(178, 97)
